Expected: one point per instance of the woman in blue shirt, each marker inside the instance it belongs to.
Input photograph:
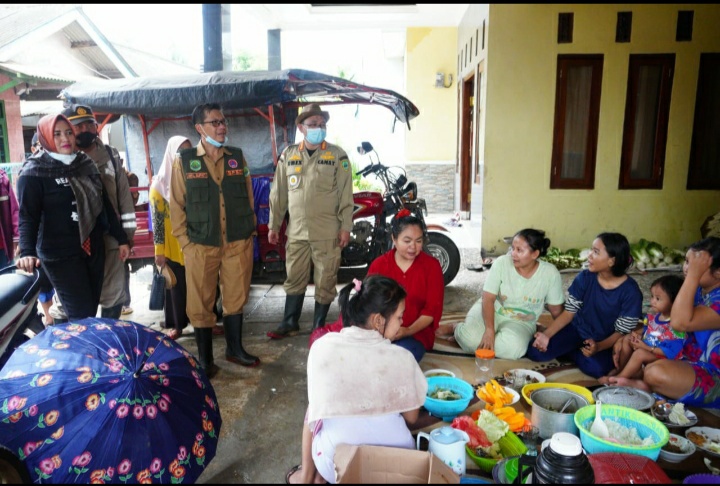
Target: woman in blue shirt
(603, 304)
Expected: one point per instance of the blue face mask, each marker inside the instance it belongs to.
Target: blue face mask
(315, 136)
(214, 142)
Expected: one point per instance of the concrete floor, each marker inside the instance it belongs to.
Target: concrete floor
(263, 407)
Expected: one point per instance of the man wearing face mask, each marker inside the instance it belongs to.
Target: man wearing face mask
(212, 216)
(107, 159)
(313, 182)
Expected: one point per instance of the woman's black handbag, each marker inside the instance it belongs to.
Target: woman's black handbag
(157, 291)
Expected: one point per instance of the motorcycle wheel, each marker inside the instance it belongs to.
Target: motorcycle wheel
(446, 252)
(12, 469)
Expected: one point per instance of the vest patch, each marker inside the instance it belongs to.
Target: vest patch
(345, 165)
(298, 169)
(326, 162)
(246, 171)
(293, 181)
(327, 156)
(233, 163)
(198, 175)
(234, 172)
(195, 165)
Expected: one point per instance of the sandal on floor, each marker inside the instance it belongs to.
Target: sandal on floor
(292, 471)
(218, 331)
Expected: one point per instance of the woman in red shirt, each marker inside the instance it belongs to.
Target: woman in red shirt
(421, 277)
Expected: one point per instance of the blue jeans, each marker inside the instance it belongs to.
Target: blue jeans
(413, 345)
(567, 344)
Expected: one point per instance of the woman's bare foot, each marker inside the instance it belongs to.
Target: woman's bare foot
(622, 381)
(444, 330)
(604, 380)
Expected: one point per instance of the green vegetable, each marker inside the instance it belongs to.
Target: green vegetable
(444, 394)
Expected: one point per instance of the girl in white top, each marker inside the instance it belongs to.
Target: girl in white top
(362, 390)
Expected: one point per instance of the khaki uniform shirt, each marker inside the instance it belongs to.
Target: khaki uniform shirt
(178, 192)
(316, 190)
(116, 186)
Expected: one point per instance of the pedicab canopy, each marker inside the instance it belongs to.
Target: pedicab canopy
(261, 107)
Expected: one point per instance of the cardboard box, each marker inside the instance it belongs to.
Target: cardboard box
(390, 465)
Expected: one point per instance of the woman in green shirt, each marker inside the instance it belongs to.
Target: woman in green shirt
(516, 291)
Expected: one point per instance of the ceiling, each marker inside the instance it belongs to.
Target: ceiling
(390, 19)
(357, 16)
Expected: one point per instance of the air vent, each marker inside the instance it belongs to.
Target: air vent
(565, 28)
(684, 26)
(623, 29)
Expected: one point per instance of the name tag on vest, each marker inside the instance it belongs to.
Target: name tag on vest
(234, 172)
(326, 162)
(196, 175)
(290, 163)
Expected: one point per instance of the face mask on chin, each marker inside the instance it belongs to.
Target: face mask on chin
(214, 142)
(64, 158)
(315, 136)
(85, 139)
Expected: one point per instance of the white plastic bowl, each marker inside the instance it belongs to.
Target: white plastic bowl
(684, 444)
(439, 372)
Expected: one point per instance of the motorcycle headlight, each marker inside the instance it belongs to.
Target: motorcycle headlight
(409, 194)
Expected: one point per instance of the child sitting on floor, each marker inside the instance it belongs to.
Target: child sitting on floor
(656, 339)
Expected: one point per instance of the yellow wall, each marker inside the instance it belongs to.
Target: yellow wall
(433, 134)
(522, 54)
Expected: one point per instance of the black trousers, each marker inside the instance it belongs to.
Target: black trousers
(176, 299)
(78, 282)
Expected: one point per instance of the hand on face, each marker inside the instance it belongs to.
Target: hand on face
(697, 262)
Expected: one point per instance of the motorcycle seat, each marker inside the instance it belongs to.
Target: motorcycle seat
(13, 287)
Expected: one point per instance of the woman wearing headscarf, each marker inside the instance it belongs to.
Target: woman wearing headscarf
(63, 215)
(167, 247)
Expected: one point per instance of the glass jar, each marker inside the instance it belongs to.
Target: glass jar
(484, 361)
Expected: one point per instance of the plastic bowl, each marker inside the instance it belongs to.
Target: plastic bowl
(645, 425)
(448, 409)
(684, 444)
(510, 446)
(438, 372)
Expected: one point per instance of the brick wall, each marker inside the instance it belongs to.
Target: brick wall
(435, 183)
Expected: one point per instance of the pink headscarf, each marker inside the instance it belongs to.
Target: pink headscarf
(46, 130)
(161, 182)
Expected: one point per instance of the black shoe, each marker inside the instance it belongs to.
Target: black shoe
(235, 352)
(321, 311)
(290, 324)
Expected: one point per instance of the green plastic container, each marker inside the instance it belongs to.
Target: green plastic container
(646, 425)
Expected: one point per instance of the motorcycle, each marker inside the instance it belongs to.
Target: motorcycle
(370, 236)
(19, 318)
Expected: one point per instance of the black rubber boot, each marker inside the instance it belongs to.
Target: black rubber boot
(203, 338)
(111, 312)
(233, 337)
(290, 324)
(321, 311)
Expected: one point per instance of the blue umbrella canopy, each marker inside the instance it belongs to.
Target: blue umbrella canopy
(105, 401)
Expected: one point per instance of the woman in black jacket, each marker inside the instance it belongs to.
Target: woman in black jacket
(63, 215)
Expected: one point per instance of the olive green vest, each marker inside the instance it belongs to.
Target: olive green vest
(202, 201)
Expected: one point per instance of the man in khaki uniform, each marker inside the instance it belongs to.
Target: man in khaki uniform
(212, 216)
(117, 188)
(313, 181)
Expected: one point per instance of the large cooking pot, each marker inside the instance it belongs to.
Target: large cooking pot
(546, 416)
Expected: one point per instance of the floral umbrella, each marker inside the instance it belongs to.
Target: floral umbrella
(105, 401)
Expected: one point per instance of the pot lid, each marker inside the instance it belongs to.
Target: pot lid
(566, 444)
(625, 396)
